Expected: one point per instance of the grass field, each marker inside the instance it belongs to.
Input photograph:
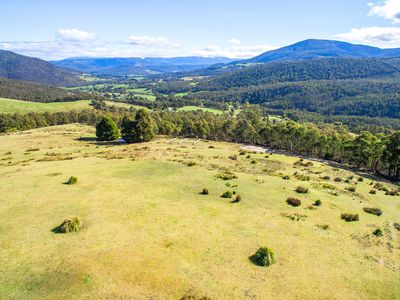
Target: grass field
(192, 108)
(13, 106)
(149, 234)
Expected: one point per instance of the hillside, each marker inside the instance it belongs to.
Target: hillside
(311, 49)
(30, 91)
(123, 251)
(20, 67)
(138, 66)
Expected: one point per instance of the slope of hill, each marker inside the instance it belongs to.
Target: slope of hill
(20, 67)
(24, 90)
(316, 69)
(310, 49)
(138, 66)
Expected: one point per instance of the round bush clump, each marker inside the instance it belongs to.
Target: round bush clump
(293, 201)
(204, 192)
(378, 232)
(264, 257)
(71, 180)
(302, 190)
(69, 225)
(373, 192)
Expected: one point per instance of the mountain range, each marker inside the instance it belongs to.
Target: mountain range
(65, 72)
(138, 66)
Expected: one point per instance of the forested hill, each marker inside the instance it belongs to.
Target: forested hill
(29, 91)
(313, 48)
(20, 67)
(316, 69)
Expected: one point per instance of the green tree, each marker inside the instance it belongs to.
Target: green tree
(106, 129)
(141, 129)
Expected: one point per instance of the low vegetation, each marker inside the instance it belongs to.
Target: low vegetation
(69, 225)
(264, 257)
(293, 201)
(373, 211)
(349, 217)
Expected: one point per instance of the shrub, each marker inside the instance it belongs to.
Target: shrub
(380, 187)
(204, 191)
(191, 164)
(227, 176)
(317, 203)
(293, 201)
(267, 156)
(242, 152)
(211, 147)
(302, 190)
(237, 199)
(106, 129)
(324, 226)
(302, 163)
(326, 177)
(392, 193)
(397, 226)
(69, 225)
(350, 217)
(373, 211)
(286, 177)
(378, 232)
(233, 157)
(71, 180)
(264, 257)
(302, 177)
(328, 186)
(350, 188)
(373, 192)
(253, 162)
(248, 156)
(227, 194)
(360, 179)
(337, 179)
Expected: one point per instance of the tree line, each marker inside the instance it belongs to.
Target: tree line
(378, 153)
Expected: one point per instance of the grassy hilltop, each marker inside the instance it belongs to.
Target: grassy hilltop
(148, 233)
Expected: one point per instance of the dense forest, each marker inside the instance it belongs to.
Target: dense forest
(20, 67)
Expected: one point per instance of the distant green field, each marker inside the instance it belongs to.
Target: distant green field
(13, 106)
(192, 108)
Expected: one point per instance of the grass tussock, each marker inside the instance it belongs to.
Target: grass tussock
(72, 180)
(227, 194)
(301, 190)
(263, 257)
(226, 176)
(349, 217)
(69, 225)
(373, 211)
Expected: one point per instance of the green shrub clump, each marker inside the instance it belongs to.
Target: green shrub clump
(372, 192)
(69, 225)
(286, 177)
(302, 190)
(227, 194)
(293, 201)
(378, 232)
(350, 217)
(264, 257)
(350, 188)
(373, 211)
(317, 203)
(337, 179)
(72, 180)
(397, 226)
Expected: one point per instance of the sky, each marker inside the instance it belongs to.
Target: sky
(60, 29)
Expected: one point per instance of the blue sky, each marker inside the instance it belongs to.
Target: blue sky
(237, 28)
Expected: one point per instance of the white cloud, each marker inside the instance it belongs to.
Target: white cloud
(379, 36)
(234, 42)
(77, 43)
(388, 9)
(149, 41)
(74, 36)
(232, 52)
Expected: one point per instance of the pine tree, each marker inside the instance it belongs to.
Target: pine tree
(107, 130)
